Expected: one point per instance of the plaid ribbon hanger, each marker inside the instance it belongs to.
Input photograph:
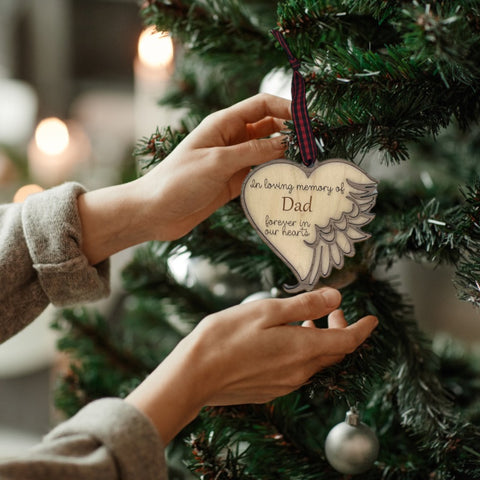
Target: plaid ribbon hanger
(301, 120)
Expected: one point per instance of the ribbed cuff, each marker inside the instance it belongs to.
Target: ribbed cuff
(129, 436)
(53, 233)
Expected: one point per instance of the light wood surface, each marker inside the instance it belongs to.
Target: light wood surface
(309, 216)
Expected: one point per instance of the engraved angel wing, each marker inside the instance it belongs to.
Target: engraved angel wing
(336, 239)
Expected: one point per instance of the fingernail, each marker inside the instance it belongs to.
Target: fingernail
(332, 297)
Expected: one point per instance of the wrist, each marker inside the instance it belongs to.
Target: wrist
(112, 219)
(172, 395)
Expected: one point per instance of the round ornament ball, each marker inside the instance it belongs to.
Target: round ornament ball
(351, 447)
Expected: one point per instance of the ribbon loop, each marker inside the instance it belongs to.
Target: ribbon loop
(301, 120)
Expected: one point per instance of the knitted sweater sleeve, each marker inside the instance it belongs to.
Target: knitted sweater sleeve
(41, 261)
(106, 440)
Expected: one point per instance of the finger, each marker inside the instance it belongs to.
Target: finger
(340, 341)
(308, 324)
(305, 306)
(254, 152)
(265, 127)
(337, 320)
(363, 328)
(229, 126)
(259, 106)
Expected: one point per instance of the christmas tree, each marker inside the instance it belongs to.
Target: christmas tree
(387, 82)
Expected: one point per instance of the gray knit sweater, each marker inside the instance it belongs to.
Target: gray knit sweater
(41, 263)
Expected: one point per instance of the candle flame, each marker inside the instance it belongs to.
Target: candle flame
(155, 49)
(51, 136)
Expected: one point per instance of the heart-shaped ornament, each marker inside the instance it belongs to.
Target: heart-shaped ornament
(309, 216)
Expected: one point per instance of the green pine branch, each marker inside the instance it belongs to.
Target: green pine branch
(155, 148)
(217, 30)
(433, 230)
(214, 18)
(385, 84)
(99, 364)
(411, 373)
(388, 76)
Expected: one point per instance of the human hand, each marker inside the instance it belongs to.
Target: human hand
(253, 353)
(250, 353)
(207, 169)
(203, 173)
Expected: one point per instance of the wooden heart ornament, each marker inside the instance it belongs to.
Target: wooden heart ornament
(309, 216)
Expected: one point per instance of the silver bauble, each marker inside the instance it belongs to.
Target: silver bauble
(351, 447)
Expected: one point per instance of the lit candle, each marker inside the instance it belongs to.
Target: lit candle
(153, 68)
(56, 151)
(155, 49)
(51, 136)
